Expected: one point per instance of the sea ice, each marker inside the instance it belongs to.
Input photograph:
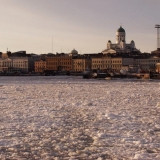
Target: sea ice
(73, 118)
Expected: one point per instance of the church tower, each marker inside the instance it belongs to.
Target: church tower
(120, 35)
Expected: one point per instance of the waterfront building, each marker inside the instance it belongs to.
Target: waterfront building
(14, 64)
(158, 67)
(111, 63)
(147, 64)
(19, 56)
(120, 46)
(5, 64)
(101, 63)
(51, 63)
(81, 64)
(31, 59)
(19, 64)
(64, 63)
(40, 66)
(59, 62)
(119, 63)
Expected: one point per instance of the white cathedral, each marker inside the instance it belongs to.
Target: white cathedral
(120, 46)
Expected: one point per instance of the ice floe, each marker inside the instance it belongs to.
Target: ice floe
(73, 118)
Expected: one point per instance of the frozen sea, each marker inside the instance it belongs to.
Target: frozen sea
(70, 118)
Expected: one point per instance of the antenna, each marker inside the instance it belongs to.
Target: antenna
(158, 35)
(52, 44)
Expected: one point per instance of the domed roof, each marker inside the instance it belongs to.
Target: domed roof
(120, 29)
(132, 41)
(109, 41)
(74, 51)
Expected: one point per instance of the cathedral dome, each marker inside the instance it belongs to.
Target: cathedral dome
(120, 29)
(74, 51)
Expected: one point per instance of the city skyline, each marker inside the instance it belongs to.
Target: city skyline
(37, 26)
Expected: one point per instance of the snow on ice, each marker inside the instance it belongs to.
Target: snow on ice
(72, 118)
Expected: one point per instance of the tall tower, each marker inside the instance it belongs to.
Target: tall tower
(120, 35)
(158, 36)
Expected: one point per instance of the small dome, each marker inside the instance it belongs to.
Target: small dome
(109, 41)
(132, 41)
(74, 51)
(120, 29)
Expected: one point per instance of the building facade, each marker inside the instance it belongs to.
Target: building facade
(101, 63)
(147, 64)
(5, 64)
(40, 66)
(31, 60)
(158, 67)
(110, 63)
(19, 64)
(59, 63)
(14, 64)
(81, 64)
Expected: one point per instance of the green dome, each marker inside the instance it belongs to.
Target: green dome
(120, 29)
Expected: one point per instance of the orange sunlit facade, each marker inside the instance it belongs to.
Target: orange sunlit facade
(59, 63)
(40, 66)
(158, 67)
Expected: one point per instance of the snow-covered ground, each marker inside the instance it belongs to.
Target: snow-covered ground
(69, 118)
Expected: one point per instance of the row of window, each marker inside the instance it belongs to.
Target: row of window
(40, 63)
(53, 67)
(20, 66)
(19, 62)
(39, 70)
(37, 67)
(78, 69)
(13, 63)
(148, 64)
(103, 61)
(148, 61)
(78, 66)
(61, 63)
(10, 65)
(106, 66)
(57, 60)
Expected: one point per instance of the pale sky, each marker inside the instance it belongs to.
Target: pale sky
(85, 25)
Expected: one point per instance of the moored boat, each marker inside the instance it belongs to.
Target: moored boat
(87, 74)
